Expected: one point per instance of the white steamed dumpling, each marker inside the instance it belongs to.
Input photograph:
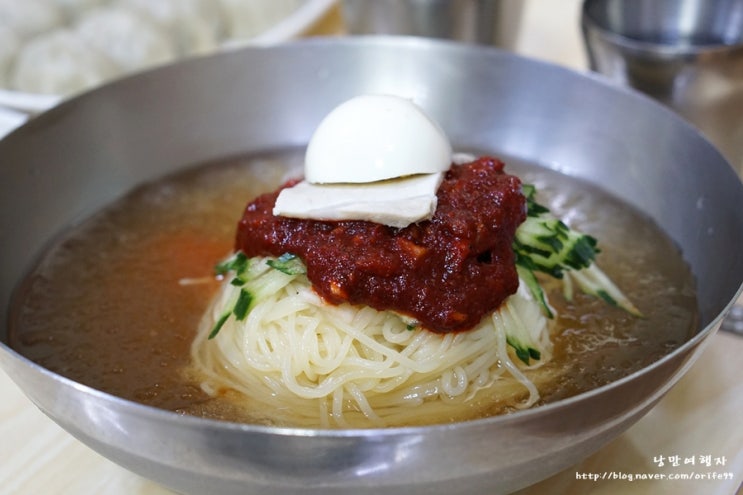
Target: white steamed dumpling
(59, 63)
(44, 42)
(193, 33)
(28, 18)
(247, 19)
(9, 44)
(129, 40)
(72, 9)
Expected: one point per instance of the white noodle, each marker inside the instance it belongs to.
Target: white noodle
(309, 363)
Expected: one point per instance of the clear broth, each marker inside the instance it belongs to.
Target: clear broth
(107, 306)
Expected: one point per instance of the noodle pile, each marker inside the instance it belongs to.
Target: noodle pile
(304, 362)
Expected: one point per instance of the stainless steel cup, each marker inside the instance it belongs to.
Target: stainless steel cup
(687, 54)
(489, 22)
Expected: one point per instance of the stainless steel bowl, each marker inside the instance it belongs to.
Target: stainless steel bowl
(67, 163)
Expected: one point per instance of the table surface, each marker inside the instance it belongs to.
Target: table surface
(700, 418)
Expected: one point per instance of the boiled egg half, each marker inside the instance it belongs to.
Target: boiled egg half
(375, 137)
(377, 158)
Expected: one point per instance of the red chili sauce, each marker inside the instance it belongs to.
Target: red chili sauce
(447, 272)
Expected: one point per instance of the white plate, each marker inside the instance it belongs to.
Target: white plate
(9, 120)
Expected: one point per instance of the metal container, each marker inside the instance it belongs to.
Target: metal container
(69, 162)
(487, 22)
(688, 54)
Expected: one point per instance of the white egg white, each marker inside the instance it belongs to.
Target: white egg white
(376, 137)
